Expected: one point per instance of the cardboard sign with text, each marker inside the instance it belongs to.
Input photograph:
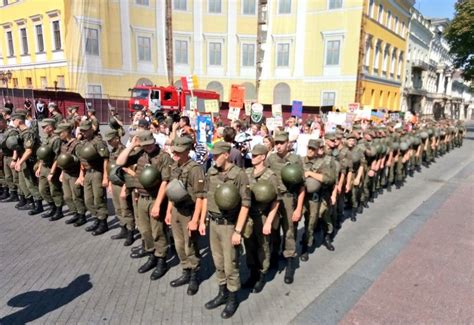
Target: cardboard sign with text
(276, 110)
(237, 96)
(364, 113)
(353, 107)
(234, 113)
(248, 108)
(377, 117)
(297, 108)
(211, 106)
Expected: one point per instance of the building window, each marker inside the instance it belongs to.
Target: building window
(24, 41)
(215, 53)
(402, 32)
(215, 6)
(371, 8)
(249, 7)
(92, 41)
(143, 2)
(57, 35)
(284, 7)
(144, 48)
(400, 64)
(248, 55)
(29, 82)
(335, 4)
(329, 98)
(395, 28)
(386, 57)
(5, 2)
(39, 38)
(11, 49)
(392, 64)
(367, 53)
(181, 52)
(180, 5)
(377, 58)
(283, 55)
(332, 52)
(61, 84)
(389, 19)
(94, 91)
(15, 82)
(380, 16)
(43, 82)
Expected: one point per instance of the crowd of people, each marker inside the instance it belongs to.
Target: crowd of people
(250, 188)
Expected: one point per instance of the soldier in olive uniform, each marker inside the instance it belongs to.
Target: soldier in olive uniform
(25, 163)
(48, 179)
(95, 122)
(69, 173)
(54, 112)
(291, 206)
(358, 163)
(225, 227)
(151, 202)
(322, 168)
(119, 197)
(11, 175)
(184, 211)
(261, 216)
(94, 157)
(73, 117)
(4, 191)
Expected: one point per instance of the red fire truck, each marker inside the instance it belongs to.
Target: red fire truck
(170, 98)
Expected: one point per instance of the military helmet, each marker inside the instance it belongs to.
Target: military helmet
(117, 175)
(176, 192)
(149, 177)
(395, 146)
(66, 161)
(312, 185)
(416, 140)
(264, 191)
(110, 167)
(424, 135)
(371, 151)
(292, 175)
(227, 196)
(88, 152)
(404, 146)
(44, 152)
(430, 131)
(13, 142)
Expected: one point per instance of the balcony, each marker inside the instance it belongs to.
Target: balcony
(419, 65)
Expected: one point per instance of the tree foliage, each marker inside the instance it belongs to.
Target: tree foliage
(460, 36)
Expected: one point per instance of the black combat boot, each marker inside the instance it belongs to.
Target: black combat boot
(259, 284)
(220, 299)
(5, 194)
(304, 252)
(94, 225)
(21, 202)
(81, 220)
(150, 264)
(37, 209)
(13, 197)
(58, 215)
(182, 280)
(360, 209)
(290, 270)
(139, 253)
(137, 248)
(51, 212)
(130, 238)
(122, 234)
(73, 219)
(249, 284)
(161, 269)
(327, 242)
(353, 215)
(193, 286)
(102, 228)
(230, 306)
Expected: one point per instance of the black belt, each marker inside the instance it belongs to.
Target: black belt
(144, 195)
(221, 220)
(288, 194)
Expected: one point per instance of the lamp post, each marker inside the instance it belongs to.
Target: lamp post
(6, 76)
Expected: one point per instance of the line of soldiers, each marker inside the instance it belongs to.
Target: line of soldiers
(259, 207)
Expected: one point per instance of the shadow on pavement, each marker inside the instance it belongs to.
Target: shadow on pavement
(39, 303)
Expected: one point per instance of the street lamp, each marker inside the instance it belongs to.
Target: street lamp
(6, 76)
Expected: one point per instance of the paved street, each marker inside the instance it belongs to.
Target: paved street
(408, 259)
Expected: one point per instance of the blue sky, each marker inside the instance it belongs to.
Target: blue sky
(436, 8)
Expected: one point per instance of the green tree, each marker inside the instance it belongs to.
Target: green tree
(460, 36)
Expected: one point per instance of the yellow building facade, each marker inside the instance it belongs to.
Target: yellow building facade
(386, 27)
(311, 50)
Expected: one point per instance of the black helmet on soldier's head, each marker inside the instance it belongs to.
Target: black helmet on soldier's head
(227, 196)
(264, 191)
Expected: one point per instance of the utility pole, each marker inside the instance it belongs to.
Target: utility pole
(262, 30)
(169, 42)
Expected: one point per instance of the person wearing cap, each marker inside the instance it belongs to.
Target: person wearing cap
(25, 157)
(73, 116)
(120, 199)
(261, 216)
(48, 180)
(322, 168)
(94, 177)
(10, 193)
(73, 193)
(291, 206)
(55, 113)
(91, 117)
(225, 227)
(151, 203)
(183, 216)
(4, 191)
(353, 196)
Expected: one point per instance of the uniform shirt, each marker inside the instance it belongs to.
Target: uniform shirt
(102, 151)
(276, 163)
(158, 159)
(10, 131)
(322, 165)
(54, 142)
(115, 152)
(192, 176)
(266, 174)
(29, 141)
(234, 175)
(57, 116)
(70, 148)
(95, 123)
